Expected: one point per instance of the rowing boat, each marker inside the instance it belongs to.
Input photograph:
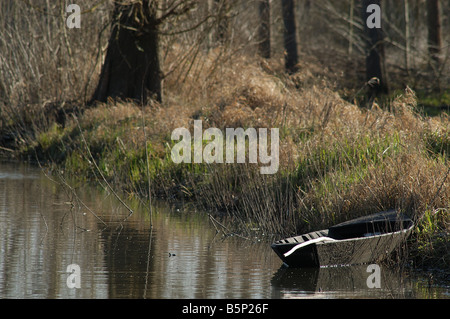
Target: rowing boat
(358, 241)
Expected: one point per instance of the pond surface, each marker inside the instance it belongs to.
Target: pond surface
(45, 226)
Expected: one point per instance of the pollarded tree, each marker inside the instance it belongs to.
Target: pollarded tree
(131, 69)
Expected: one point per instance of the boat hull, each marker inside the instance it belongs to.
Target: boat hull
(362, 249)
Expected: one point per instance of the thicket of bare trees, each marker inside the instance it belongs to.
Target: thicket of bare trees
(122, 49)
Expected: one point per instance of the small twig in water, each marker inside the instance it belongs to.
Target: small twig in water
(228, 233)
(100, 172)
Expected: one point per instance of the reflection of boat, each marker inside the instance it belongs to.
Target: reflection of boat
(358, 241)
(338, 282)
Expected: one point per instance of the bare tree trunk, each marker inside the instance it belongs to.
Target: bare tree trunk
(407, 38)
(434, 31)
(290, 39)
(374, 54)
(351, 27)
(264, 29)
(132, 69)
(222, 7)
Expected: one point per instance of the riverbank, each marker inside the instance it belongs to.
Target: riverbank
(180, 257)
(337, 160)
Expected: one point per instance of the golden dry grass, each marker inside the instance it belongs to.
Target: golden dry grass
(354, 160)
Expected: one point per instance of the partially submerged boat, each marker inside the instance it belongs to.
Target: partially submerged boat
(358, 241)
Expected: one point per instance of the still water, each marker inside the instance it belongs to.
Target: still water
(45, 226)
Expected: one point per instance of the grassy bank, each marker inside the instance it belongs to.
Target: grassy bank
(337, 160)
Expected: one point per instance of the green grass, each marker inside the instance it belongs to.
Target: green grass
(433, 245)
(438, 143)
(432, 103)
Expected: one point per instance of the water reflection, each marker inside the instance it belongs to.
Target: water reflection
(45, 227)
(343, 282)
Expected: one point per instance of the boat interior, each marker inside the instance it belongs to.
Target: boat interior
(378, 224)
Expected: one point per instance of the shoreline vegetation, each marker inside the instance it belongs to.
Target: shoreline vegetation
(340, 155)
(337, 160)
